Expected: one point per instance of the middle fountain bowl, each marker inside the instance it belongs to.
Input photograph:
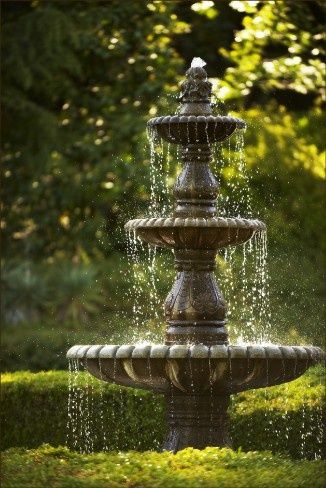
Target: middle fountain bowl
(195, 232)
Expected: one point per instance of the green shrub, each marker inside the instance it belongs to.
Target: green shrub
(190, 468)
(41, 346)
(285, 418)
(25, 292)
(36, 346)
(64, 290)
(129, 416)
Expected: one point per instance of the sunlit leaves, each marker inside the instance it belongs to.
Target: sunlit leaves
(294, 33)
(248, 6)
(80, 110)
(206, 8)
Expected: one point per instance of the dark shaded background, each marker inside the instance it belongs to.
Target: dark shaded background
(79, 82)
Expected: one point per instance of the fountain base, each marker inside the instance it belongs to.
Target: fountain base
(197, 421)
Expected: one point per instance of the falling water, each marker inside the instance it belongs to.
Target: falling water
(304, 429)
(228, 286)
(249, 314)
(193, 390)
(286, 431)
(261, 287)
(172, 403)
(211, 382)
(168, 180)
(154, 175)
(88, 412)
(137, 286)
(229, 165)
(243, 206)
(320, 419)
(142, 259)
(80, 412)
(245, 320)
(246, 289)
(160, 202)
(84, 416)
(253, 321)
(76, 407)
(72, 433)
(101, 408)
(153, 294)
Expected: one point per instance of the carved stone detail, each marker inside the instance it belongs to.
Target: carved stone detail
(195, 300)
(196, 87)
(196, 92)
(197, 421)
(196, 187)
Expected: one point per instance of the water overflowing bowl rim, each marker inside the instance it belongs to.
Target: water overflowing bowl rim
(206, 119)
(219, 222)
(196, 351)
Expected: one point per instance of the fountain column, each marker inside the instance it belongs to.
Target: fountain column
(195, 308)
(197, 421)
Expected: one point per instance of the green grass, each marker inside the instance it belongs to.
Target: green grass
(190, 468)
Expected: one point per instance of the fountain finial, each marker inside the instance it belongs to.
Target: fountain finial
(196, 90)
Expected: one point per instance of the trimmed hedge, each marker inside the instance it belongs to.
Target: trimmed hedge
(42, 346)
(286, 418)
(190, 468)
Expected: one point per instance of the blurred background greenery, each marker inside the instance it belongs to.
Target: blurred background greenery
(80, 79)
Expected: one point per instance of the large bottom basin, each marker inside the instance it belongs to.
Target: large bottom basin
(196, 369)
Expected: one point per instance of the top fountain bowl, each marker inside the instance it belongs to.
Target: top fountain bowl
(194, 129)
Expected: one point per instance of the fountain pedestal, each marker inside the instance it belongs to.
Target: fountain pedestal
(197, 421)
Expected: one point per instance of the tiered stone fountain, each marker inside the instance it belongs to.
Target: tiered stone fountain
(196, 368)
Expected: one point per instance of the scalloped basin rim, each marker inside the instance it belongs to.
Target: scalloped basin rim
(207, 119)
(223, 222)
(196, 351)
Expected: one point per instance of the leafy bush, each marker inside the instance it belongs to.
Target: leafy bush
(190, 468)
(48, 392)
(285, 418)
(42, 346)
(78, 294)
(65, 290)
(25, 292)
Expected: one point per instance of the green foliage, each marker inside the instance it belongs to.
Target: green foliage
(104, 294)
(286, 418)
(277, 177)
(42, 345)
(211, 29)
(65, 291)
(78, 87)
(78, 292)
(25, 293)
(190, 468)
(38, 348)
(74, 182)
(280, 52)
(129, 416)
(293, 411)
